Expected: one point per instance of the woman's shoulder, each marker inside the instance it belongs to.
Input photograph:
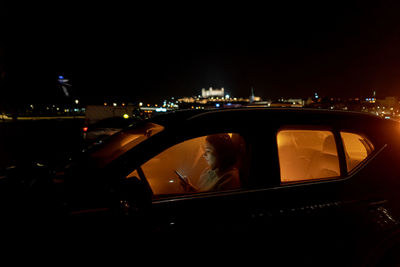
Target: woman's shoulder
(229, 179)
(233, 171)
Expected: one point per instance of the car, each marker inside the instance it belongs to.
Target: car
(100, 130)
(320, 184)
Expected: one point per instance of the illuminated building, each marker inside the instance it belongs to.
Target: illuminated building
(254, 98)
(212, 92)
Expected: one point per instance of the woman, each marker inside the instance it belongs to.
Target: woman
(221, 174)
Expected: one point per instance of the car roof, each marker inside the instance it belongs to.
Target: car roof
(175, 117)
(179, 116)
(113, 122)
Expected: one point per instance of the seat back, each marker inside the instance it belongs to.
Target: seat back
(325, 163)
(242, 158)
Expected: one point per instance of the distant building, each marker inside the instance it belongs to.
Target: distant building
(290, 102)
(212, 92)
(254, 98)
(96, 113)
(388, 102)
(296, 101)
(211, 98)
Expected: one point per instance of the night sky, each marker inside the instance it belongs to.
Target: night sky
(150, 52)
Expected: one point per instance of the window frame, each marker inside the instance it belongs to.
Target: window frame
(178, 139)
(344, 173)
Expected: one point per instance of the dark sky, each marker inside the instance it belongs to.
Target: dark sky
(148, 52)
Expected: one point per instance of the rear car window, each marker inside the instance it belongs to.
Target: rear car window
(356, 147)
(307, 155)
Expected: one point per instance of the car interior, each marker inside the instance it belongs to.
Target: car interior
(312, 154)
(186, 159)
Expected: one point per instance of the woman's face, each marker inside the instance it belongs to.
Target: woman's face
(210, 155)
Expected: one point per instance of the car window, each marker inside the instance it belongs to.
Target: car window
(356, 147)
(191, 166)
(123, 141)
(307, 155)
(114, 122)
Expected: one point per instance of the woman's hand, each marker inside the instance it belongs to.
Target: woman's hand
(185, 183)
(187, 186)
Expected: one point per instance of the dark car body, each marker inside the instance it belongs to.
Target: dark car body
(348, 218)
(104, 128)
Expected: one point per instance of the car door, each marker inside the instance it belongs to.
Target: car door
(315, 206)
(176, 209)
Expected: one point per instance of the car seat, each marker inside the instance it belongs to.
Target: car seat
(325, 164)
(242, 158)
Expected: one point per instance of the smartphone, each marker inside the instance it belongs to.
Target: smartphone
(181, 177)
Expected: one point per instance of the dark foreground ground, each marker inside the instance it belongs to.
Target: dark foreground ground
(47, 141)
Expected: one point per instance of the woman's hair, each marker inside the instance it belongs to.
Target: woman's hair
(224, 149)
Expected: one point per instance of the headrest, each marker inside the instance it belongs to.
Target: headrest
(329, 145)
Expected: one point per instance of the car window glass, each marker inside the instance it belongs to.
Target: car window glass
(189, 162)
(123, 141)
(134, 174)
(307, 155)
(356, 148)
(114, 122)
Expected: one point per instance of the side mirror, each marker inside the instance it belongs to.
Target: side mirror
(135, 197)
